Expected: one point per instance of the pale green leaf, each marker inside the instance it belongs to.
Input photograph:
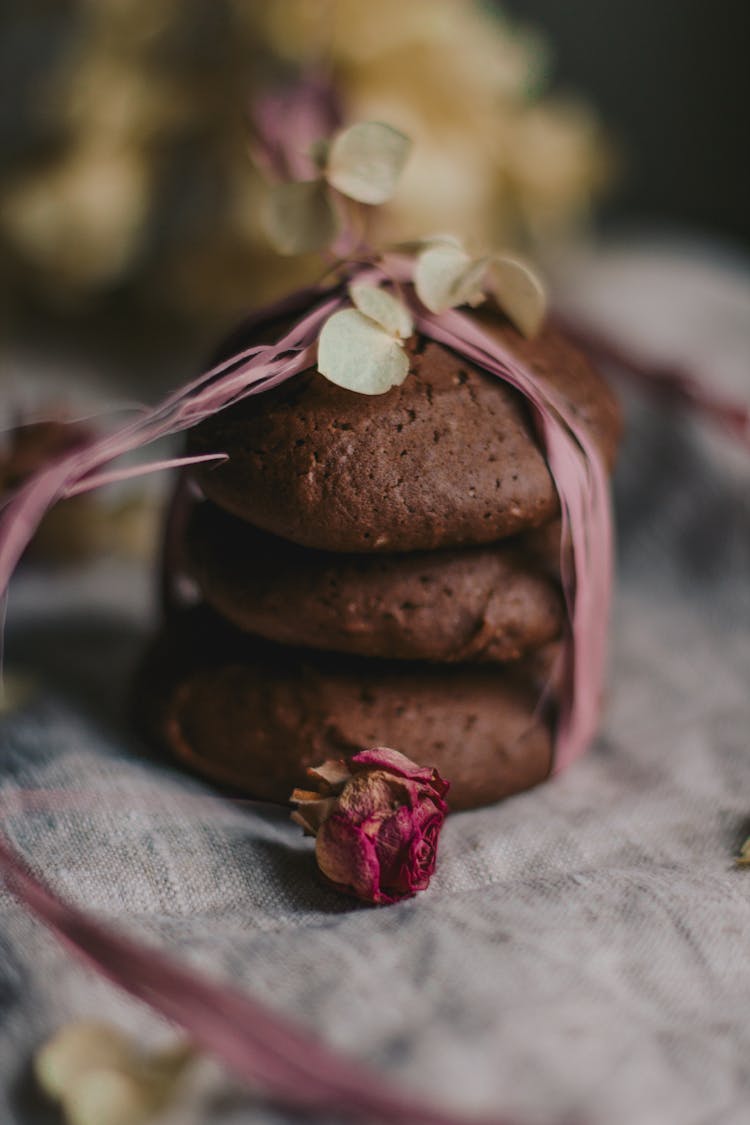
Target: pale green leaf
(300, 218)
(519, 293)
(385, 309)
(445, 277)
(354, 352)
(366, 160)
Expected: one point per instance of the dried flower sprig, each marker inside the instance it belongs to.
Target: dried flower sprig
(362, 162)
(110, 142)
(361, 348)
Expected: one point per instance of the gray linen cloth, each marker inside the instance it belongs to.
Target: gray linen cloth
(583, 949)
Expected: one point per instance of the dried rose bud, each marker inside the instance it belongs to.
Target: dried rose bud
(376, 819)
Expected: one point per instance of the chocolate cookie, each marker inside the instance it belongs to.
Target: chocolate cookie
(447, 459)
(471, 604)
(541, 549)
(254, 715)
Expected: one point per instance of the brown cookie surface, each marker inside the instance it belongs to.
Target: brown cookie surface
(255, 715)
(541, 548)
(471, 604)
(447, 459)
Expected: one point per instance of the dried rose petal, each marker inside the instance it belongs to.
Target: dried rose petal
(376, 818)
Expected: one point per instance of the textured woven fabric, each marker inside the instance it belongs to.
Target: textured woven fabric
(582, 949)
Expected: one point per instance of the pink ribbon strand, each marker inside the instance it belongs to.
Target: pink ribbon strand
(288, 1063)
(262, 1049)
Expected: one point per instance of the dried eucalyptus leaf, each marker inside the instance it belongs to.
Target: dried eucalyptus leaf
(366, 160)
(445, 277)
(385, 309)
(743, 859)
(354, 352)
(300, 217)
(519, 293)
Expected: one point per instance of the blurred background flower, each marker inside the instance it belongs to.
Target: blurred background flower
(496, 158)
(129, 207)
(128, 178)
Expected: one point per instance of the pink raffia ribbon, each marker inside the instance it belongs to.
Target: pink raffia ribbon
(580, 477)
(251, 371)
(288, 1063)
(573, 459)
(261, 1048)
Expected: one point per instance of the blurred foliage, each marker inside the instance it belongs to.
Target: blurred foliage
(124, 137)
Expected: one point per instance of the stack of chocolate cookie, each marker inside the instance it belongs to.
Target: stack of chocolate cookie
(375, 571)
